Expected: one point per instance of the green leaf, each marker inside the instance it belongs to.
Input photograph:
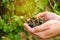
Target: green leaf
(17, 37)
(42, 3)
(56, 9)
(11, 28)
(5, 28)
(11, 36)
(4, 1)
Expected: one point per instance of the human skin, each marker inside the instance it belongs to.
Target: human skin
(48, 29)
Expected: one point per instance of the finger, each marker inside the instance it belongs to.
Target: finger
(41, 28)
(28, 28)
(46, 34)
(42, 14)
(44, 26)
(50, 15)
(50, 36)
(45, 37)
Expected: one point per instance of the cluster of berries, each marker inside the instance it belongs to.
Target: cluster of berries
(34, 21)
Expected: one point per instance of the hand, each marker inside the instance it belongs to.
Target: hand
(48, 15)
(49, 29)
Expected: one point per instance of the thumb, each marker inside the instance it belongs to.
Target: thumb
(28, 28)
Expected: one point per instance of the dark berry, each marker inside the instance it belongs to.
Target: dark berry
(33, 22)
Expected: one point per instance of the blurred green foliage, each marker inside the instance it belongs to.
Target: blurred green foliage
(14, 13)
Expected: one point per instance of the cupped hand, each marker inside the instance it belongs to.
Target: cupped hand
(48, 29)
(48, 15)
